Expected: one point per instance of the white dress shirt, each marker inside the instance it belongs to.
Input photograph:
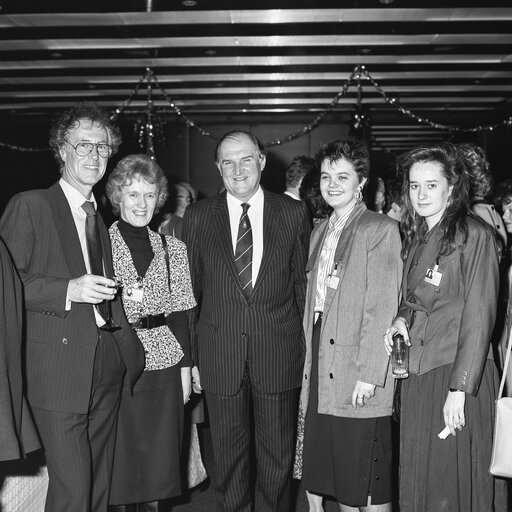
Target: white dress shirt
(76, 200)
(255, 213)
(326, 265)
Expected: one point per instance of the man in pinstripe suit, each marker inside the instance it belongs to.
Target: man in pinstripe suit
(250, 349)
(74, 368)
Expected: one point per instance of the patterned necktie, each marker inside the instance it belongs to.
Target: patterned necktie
(243, 251)
(92, 237)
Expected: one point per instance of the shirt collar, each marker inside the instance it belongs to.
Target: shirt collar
(75, 198)
(336, 222)
(255, 200)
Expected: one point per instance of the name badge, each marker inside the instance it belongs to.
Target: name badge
(133, 293)
(433, 276)
(332, 282)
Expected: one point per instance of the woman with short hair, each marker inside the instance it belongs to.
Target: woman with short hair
(156, 293)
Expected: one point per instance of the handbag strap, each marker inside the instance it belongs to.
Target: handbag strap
(505, 366)
(167, 264)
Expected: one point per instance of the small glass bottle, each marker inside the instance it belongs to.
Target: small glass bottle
(399, 357)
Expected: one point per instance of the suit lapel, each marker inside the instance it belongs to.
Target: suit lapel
(221, 231)
(66, 229)
(271, 223)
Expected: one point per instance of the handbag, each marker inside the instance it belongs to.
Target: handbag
(501, 458)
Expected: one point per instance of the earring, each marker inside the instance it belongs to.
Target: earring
(359, 196)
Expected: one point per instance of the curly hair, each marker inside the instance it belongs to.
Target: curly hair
(133, 167)
(503, 194)
(477, 167)
(454, 217)
(300, 166)
(70, 120)
(349, 150)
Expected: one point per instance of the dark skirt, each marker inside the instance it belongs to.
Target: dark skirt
(345, 458)
(149, 439)
(448, 475)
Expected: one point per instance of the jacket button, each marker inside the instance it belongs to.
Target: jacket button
(331, 376)
(65, 341)
(306, 376)
(331, 341)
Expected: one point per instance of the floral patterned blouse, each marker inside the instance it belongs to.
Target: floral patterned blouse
(160, 345)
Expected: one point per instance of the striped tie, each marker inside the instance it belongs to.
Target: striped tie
(243, 251)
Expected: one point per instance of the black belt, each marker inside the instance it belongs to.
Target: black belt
(149, 322)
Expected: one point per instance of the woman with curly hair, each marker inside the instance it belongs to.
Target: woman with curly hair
(447, 314)
(480, 187)
(156, 293)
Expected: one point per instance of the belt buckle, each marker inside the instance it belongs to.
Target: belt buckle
(136, 322)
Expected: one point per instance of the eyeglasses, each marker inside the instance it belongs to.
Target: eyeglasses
(84, 148)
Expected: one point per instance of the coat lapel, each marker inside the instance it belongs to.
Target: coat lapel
(66, 229)
(221, 231)
(271, 223)
(343, 251)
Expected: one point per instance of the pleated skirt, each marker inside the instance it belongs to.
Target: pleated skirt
(148, 446)
(449, 475)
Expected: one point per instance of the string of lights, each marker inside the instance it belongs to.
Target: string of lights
(151, 129)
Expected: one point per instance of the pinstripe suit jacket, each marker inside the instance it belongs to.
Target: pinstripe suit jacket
(265, 331)
(39, 231)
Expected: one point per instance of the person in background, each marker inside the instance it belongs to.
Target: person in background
(309, 192)
(480, 188)
(156, 293)
(503, 201)
(247, 250)
(379, 199)
(300, 167)
(172, 222)
(447, 314)
(394, 201)
(78, 342)
(186, 195)
(354, 271)
(17, 431)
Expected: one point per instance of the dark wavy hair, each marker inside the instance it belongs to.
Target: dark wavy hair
(350, 150)
(70, 120)
(503, 194)
(454, 217)
(477, 167)
(309, 192)
(134, 167)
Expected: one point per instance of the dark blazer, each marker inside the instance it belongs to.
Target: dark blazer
(452, 323)
(266, 330)
(38, 229)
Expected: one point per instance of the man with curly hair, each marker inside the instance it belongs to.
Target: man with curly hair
(78, 342)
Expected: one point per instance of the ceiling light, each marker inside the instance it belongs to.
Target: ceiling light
(189, 3)
(386, 2)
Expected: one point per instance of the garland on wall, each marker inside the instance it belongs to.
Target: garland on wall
(149, 130)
